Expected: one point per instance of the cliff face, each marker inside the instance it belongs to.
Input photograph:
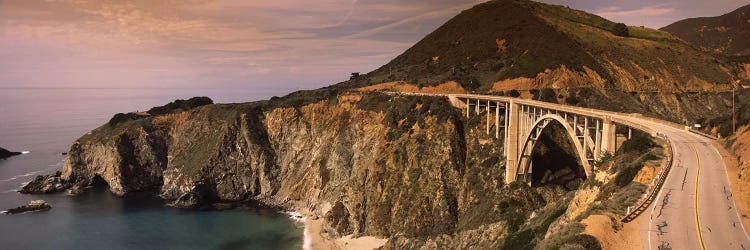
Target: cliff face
(374, 165)
(410, 169)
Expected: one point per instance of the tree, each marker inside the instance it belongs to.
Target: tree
(621, 29)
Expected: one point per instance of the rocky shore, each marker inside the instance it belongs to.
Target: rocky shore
(46, 184)
(35, 205)
(4, 153)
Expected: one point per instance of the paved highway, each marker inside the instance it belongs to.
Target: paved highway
(695, 208)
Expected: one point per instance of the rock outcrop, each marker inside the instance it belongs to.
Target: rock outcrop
(35, 205)
(45, 184)
(4, 153)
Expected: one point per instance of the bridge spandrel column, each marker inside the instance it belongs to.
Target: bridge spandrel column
(609, 136)
(497, 120)
(512, 145)
(487, 109)
(468, 107)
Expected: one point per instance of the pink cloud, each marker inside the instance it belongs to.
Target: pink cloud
(650, 11)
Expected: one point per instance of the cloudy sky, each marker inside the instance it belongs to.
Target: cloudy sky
(242, 43)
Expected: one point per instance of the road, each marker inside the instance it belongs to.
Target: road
(695, 208)
(698, 179)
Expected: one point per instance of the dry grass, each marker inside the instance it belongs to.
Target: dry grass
(391, 86)
(170, 120)
(451, 87)
(600, 226)
(561, 77)
(521, 83)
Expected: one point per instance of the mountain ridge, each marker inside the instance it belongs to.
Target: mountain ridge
(551, 46)
(727, 34)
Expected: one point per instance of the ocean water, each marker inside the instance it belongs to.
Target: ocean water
(45, 122)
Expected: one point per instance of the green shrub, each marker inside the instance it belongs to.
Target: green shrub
(640, 142)
(513, 93)
(620, 29)
(181, 105)
(572, 99)
(547, 95)
(120, 118)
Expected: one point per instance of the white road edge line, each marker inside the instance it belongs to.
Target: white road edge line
(658, 199)
(729, 181)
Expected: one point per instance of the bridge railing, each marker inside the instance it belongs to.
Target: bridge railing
(701, 133)
(655, 188)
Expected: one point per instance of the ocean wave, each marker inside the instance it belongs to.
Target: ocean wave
(296, 216)
(25, 152)
(21, 176)
(307, 238)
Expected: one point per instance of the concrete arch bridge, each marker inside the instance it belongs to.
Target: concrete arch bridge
(691, 204)
(593, 133)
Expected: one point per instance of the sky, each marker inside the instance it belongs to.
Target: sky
(261, 44)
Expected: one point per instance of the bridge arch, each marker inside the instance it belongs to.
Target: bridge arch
(523, 168)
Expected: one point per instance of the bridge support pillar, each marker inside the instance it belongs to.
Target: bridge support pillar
(477, 107)
(511, 141)
(487, 109)
(609, 136)
(468, 107)
(497, 120)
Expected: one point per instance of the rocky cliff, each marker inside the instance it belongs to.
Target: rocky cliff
(410, 169)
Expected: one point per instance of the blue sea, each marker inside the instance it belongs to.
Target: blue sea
(45, 122)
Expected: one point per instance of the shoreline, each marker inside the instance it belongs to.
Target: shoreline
(315, 238)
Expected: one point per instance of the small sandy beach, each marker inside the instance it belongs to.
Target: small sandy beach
(314, 239)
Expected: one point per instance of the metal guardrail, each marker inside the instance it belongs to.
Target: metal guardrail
(656, 187)
(701, 133)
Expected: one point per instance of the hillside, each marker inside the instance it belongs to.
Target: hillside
(519, 44)
(557, 54)
(726, 34)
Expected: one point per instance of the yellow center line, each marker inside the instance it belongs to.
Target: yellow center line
(697, 221)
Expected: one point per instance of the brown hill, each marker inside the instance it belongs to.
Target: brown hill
(727, 34)
(519, 44)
